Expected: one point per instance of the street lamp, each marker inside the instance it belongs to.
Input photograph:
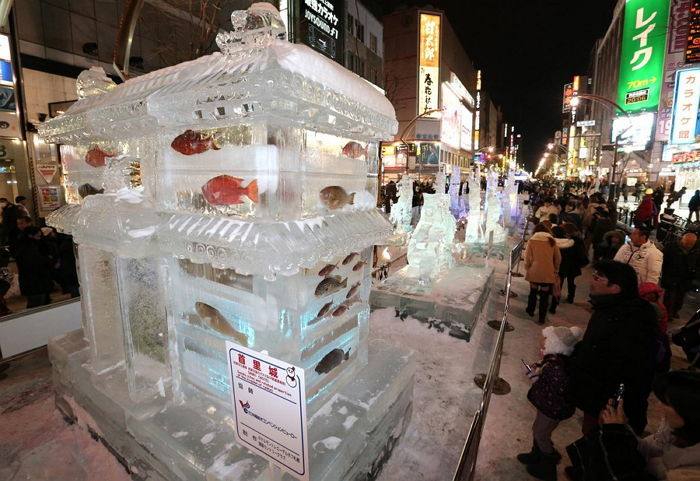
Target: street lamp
(597, 98)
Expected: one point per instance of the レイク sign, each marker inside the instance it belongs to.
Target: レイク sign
(269, 407)
(642, 56)
(429, 65)
(685, 107)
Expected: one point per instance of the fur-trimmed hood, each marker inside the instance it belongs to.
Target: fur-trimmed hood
(564, 243)
(541, 236)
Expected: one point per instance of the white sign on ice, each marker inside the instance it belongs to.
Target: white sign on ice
(269, 406)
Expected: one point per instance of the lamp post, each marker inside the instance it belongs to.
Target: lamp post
(597, 98)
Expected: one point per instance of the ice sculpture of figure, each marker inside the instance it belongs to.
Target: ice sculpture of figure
(225, 199)
(494, 208)
(440, 182)
(456, 206)
(430, 247)
(473, 232)
(401, 212)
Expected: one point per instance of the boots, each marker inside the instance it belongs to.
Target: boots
(554, 305)
(570, 295)
(544, 303)
(545, 468)
(532, 457)
(531, 301)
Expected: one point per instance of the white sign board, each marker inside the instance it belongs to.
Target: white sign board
(269, 406)
(685, 107)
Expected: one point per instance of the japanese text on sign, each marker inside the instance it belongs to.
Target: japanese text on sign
(429, 65)
(269, 406)
(685, 107)
(321, 13)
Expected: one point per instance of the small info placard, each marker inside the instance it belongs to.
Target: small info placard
(269, 406)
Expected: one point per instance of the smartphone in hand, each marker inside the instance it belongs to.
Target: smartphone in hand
(527, 366)
(619, 394)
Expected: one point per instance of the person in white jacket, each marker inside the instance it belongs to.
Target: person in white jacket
(548, 208)
(642, 255)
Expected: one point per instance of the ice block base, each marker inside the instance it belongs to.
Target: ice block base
(350, 437)
(453, 302)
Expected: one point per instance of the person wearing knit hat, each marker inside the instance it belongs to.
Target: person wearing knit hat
(547, 394)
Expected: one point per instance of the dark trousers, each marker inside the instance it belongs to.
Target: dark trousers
(543, 291)
(673, 300)
(37, 300)
(542, 430)
(697, 215)
(570, 292)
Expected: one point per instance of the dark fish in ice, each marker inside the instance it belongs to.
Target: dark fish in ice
(349, 258)
(327, 270)
(325, 309)
(227, 190)
(87, 189)
(190, 142)
(358, 266)
(217, 321)
(335, 197)
(330, 285)
(95, 157)
(340, 310)
(354, 150)
(352, 291)
(332, 360)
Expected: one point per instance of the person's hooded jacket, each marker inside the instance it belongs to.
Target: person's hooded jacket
(542, 259)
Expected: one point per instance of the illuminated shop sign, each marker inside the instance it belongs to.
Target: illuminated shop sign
(692, 49)
(685, 157)
(568, 95)
(450, 126)
(636, 131)
(459, 88)
(429, 65)
(466, 119)
(642, 54)
(321, 19)
(685, 107)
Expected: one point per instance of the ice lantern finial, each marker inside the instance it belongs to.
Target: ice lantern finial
(253, 28)
(93, 82)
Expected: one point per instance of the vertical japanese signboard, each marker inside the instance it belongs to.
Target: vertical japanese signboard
(429, 63)
(269, 407)
(692, 49)
(642, 55)
(685, 107)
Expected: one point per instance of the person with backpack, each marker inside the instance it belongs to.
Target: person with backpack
(548, 395)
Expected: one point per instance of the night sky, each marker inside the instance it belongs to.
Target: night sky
(527, 50)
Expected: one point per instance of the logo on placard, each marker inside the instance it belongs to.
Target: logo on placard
(245, 406)
(291, 377)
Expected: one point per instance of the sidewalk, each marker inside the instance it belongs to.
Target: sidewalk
(508, 425)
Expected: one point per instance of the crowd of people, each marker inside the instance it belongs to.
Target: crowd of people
(610, 370)
(43, 258)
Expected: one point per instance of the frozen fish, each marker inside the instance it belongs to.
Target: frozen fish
(332, 360)
(227, 190)
(330, 285)
(358, 266)
(335, 197)
(325, 309)
(191, 142)
(352, 290)
(95, 157)
(349, 258)
(327, 270)
(354, 150)
(215, 320)
(87, 189)
(340, 310)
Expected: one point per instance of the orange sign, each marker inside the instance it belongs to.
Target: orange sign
(429, 40)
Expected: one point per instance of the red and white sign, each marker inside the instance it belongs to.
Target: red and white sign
(47, 170)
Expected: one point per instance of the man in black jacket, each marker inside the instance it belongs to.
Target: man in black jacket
(680, 266)
(619, 347)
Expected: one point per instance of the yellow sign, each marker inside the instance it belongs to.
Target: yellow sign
(429, 65)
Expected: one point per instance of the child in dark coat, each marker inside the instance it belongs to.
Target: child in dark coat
(548, 395)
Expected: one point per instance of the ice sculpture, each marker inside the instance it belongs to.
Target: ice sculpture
(401, 211)
(440, 182)
(494, 208)
(473, 232)
(430, 247)
(229, 198)
(456, 206)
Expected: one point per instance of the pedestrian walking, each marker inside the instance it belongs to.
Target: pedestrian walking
(642, 255)
(680, 266)
(694, 207)
(542, 260)
(34, 266)
(573, 259)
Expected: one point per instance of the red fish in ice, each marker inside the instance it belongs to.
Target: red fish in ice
(190, 142)
(95, 157)
(354, 150)
(227, 190)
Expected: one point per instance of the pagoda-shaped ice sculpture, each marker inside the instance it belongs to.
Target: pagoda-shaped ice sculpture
(230, 198)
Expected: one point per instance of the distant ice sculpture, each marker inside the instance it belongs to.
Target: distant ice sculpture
(401, 212)
(440, 182)
(456, 205)
(430, 247)
(229, 198)
(473, 232)
(494, 208)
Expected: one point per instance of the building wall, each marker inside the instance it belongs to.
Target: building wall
(364, 43)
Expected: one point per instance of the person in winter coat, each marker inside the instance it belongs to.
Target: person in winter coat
(570, 214)
(694, 207)
(542, 259)
(642, 255)
(612, 241)
(680, 266)
(547, 394)
(671, 454)
(618, 347)
(674, 196)
(652, 294)
(34, 266)
(646, 213)
(573, 258)
(602, 226)
(548, 208)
